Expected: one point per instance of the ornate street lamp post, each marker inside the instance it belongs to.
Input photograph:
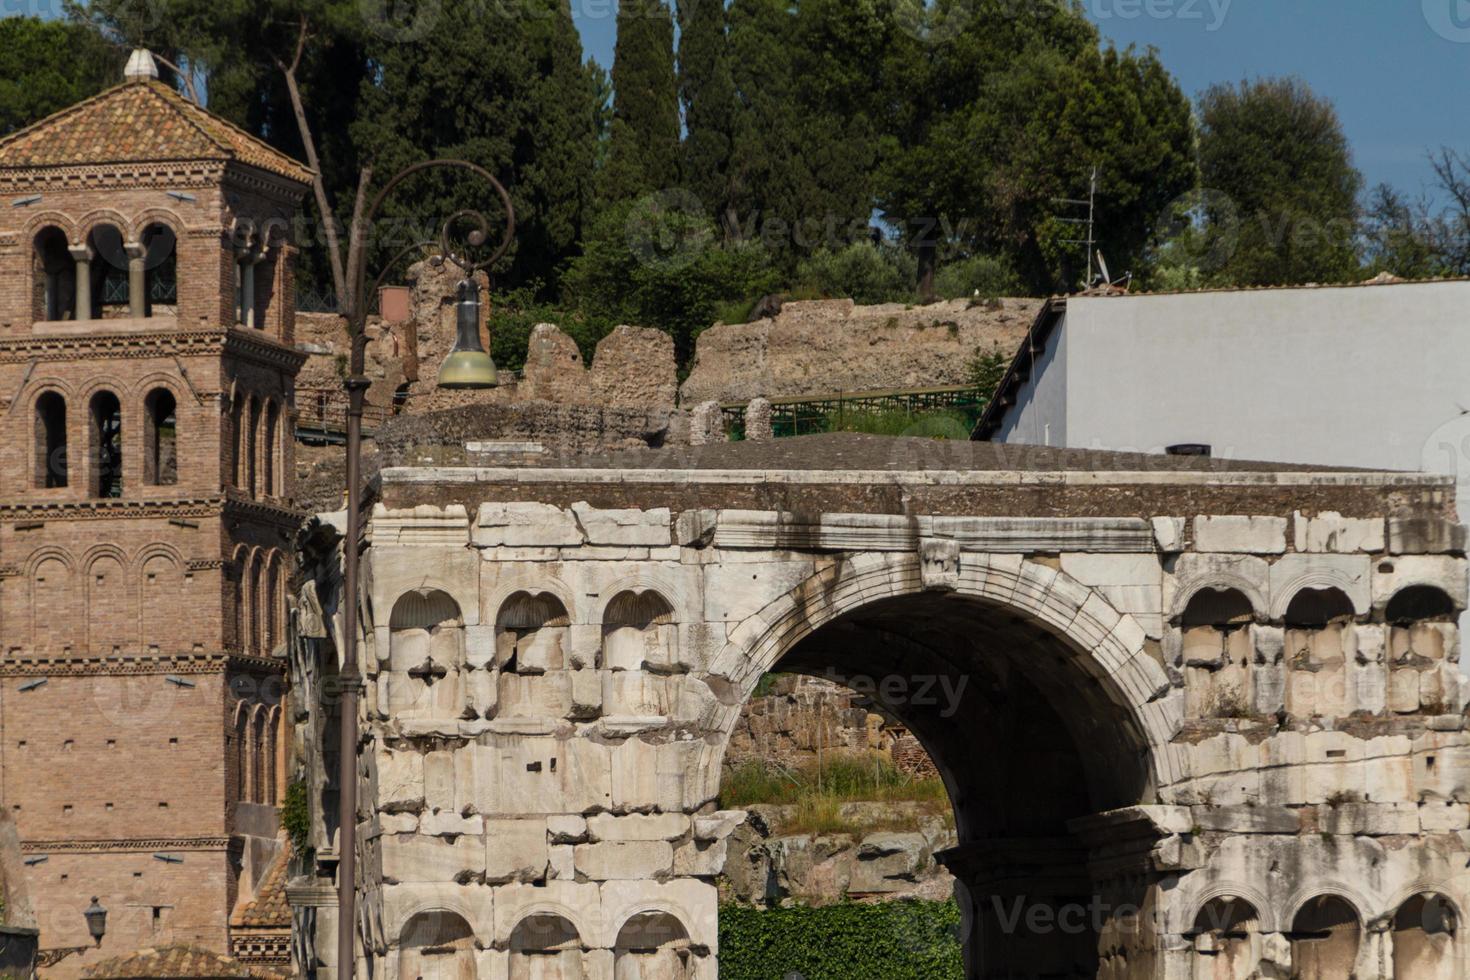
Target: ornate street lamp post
(468, 366)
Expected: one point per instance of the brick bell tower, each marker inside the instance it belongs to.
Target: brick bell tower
(146, 376)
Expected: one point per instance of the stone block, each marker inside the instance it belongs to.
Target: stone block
(524, 525)
(719, 825)
(561, 862)
(1443, 816)
(637, 826)
(1240, 534)
(1391, 575)
(695, 528)
(586, 693)
(400, 780)
(416, 858)
(439, 780)
(1330, 532)
(701, 859)
(398, 823)
(515, 850)
(624, 860)
(1168, 534)
(566, 829)
(447, 823)
(1425, 536)
(733, 591)
(625, 527)
(1130, 570)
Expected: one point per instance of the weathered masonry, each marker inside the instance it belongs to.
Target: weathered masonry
(146, 375)
(1197, 718)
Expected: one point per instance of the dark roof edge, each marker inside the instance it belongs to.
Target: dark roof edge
(1018, 372)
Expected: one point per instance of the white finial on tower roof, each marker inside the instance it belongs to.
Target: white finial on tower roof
(140, 66)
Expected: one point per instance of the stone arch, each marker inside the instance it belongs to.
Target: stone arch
(89, 222)
(653, 945)
(253, 637)
(1218, 580)
(1326, 936)
(110, 601)
(1217, 650)
(57, 219)
(426, 655)
(1318, 579)
(546, 946)
(1107, 644)
(671, 588)
(1227, 939)
(1427, 940)
(273, 601)
(436, 945)
(252, 447)
(1416, 603)
(257, 753)
(157, 216)
(1198, 891)
(639, 633)
(520, 580)
(531, 633)
(237, 442)
(240, 594)
(1320, 638)
(1312, 607)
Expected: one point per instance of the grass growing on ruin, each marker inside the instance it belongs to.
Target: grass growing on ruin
(818, 793)
(896, 422)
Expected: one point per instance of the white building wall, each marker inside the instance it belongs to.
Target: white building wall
(1040, 415)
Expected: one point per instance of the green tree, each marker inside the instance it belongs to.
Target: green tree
(1278, 155)
(657, 263)
(643, 152)
(986, 130)
(707, 94)
(47, 65)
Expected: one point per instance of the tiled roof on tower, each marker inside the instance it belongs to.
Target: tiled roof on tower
(140, 121)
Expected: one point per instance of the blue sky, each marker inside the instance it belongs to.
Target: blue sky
(1398, 70)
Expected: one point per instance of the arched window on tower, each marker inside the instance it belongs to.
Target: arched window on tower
(108, 274)
(237, 441)
(160, 416)
(160, 270)
(50, 464)
(268, 450)
(54, 277)
(252, 448)
(106, 445)
(1324, 940)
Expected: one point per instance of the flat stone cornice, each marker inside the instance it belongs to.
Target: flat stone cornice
(463, 475)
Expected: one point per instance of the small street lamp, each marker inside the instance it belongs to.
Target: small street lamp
(96, 917)
(467, 366)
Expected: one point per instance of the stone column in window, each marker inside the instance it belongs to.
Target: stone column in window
(137, 279)
(82, 255)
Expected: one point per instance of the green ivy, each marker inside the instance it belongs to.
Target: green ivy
(907, 940)
(296, 817)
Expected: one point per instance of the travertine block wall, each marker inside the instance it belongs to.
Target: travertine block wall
(550, 690)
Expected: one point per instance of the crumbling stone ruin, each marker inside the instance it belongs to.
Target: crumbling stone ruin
(1204, 717)
(827, 346)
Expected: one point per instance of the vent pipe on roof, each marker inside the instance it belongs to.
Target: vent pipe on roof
(140, 66)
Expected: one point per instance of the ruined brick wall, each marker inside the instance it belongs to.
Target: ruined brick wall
(818, 348)
(800, 720)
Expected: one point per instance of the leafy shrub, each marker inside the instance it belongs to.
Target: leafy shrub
(906, 940)
(296, 817)
(988, 275)
(986, 369)
(515, 313)
(865, 272)
(655, 263)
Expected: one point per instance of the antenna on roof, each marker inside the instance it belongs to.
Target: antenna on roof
(1090, 241)
(141, 66)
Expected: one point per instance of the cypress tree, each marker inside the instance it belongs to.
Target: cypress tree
(507, 93)
(643, 154)
(707, 92)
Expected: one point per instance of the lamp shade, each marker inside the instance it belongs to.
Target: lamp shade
(96, 917)
(468, 365)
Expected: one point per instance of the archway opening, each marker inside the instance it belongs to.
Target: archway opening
(1425, 939)
(50, 449)
(107, 445)
(54, 276)
(1325, 935)
(546, 947)
(436, 945)
(1031, 741)
(653, 946)
(161, 437)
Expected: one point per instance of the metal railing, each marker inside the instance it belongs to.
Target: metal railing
(322, 415)
(809, 414)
